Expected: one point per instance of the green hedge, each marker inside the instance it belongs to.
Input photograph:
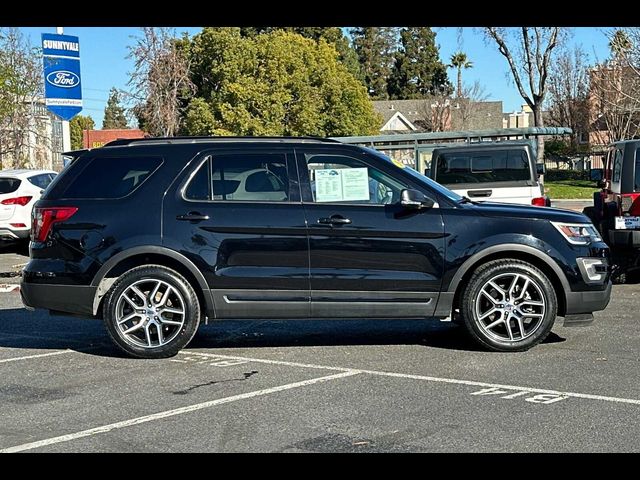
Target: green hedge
(559, 175)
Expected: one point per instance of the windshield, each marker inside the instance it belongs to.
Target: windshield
(418, 176)
(482, 166)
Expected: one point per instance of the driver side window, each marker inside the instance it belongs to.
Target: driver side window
(347, 180)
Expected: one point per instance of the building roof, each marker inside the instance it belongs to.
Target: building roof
(412, 110)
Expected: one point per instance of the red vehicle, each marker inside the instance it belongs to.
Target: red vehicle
(616, 209)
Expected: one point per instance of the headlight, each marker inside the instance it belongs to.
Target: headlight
(578, 233)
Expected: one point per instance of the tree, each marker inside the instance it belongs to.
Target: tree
(529, 51)
(161, 80)
(375, 47)
(21, 109)
(459, 60)
(114, 116)
(467, 103)
(614, 86)
(568, 93)
(418, 71)
(276, 83)
(77, 126)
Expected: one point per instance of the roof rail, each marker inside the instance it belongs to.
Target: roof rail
(182, 140)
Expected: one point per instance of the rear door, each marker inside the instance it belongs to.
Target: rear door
(496, 175)
(237, 215)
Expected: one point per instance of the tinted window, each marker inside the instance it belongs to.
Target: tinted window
(482, 167)
(617, 166)
(9, 185)
(111, 177)
(198, 188)
(636, 187)
(342, 179)
(250, 177)
(41, 181)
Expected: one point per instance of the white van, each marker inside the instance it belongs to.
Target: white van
(492, 171)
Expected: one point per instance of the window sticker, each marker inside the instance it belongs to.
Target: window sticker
(342, 185)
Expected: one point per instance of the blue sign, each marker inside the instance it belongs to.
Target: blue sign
(62, 89)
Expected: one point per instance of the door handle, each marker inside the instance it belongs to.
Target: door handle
(193, 217)
(334, 220)
(479, 193)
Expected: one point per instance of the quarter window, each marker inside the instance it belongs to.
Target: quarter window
(112, 177)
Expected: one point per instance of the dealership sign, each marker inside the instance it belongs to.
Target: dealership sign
(61, 58)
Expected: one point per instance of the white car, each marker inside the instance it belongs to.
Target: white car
(19, 191)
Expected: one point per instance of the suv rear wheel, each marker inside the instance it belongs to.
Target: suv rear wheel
(509, 305)
(151, 312)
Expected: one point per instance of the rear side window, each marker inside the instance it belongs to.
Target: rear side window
(111, 177)
(41, 181)
(256, 177)
(483, 167)
(9, 185)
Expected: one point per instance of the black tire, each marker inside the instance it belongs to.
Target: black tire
(184, 297)
(539, 289)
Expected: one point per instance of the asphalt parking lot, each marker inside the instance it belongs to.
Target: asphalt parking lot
(318, 386)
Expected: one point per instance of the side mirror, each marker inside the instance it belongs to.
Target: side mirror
(541, 169)
(427, 172)
(415, 200)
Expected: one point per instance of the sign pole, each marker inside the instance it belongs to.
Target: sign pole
(66, 131)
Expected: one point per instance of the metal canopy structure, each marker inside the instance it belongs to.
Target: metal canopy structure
(414, 149)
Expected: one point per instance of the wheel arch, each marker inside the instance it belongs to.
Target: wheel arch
(144, 255)
(532, 255)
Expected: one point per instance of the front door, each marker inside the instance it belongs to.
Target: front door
(237, 215)
(369, 257)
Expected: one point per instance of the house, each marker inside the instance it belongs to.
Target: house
(438, 114)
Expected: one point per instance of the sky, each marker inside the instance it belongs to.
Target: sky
(104, 63)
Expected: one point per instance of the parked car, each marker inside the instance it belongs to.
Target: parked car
(616, 208)
(151, 236)
(19, 191)
(494, 171)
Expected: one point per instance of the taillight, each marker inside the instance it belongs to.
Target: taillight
(44, 217)
(539, 201)
(22, 201)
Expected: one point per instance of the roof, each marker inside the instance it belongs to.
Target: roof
(187, 140)
(23, 173)
(493, 145)
(412, 110)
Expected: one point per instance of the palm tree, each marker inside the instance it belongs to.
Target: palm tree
(459, 60)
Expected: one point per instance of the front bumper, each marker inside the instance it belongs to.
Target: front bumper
(75, 299)
(624, 238)
(588, 301)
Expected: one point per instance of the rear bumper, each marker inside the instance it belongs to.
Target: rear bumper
(589, 301)
(63, 298)
(11, 235)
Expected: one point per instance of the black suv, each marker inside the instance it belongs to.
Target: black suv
(158, 235)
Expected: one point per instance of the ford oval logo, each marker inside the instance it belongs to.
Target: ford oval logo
(64, 79)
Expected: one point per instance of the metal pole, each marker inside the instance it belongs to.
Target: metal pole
(66, 132)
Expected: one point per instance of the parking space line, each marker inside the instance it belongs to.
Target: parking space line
(27, 357)
(427, 378)
(174, 412)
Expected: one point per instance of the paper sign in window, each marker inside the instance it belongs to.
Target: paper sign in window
(340, 185)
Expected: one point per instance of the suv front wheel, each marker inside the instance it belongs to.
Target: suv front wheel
(509, 305)
(151, 312)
